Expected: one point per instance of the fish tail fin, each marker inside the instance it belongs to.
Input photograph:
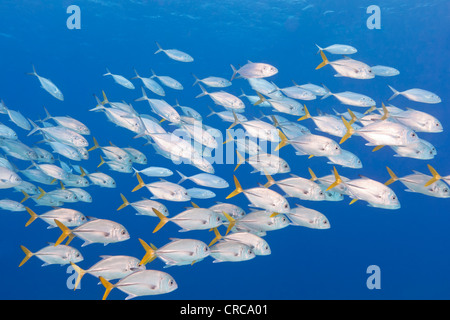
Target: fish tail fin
(243, 94)
(385, 112)
(80, 273)
(33, 216)
(212, 112)
(96, 146)
(337, 181)
(435, 174)
(159, 48)
(108, 287)
(102, 162)
(150, 253)
(108, 73)
(196, 79)
(204, 92)
(393, 177)
(320, 49)
(261, 99)
(354, 118)
(396, 93)
(65, 232)
(125, 202)
(236, 121)
(241, 160)
(105, 99)
(307, 114)
(141, 183)
(234, 72)
(372, 108)
(183, 177)
(42, 193)
(47, 115)
(163, 220)
(144, 95)
(35, 128)
(313, 175)
(217, 238)
(230, 137)
(231, 221)
(34, 73)
(137, 75)
(26, 196)
(324, 60)
(237, 190)
(284, 140)
(276, 124)
(327, 94)
(83, 173)
(270, 181)
(350, 130)
(28, 255)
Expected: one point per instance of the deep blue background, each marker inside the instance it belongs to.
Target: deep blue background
(410, 245)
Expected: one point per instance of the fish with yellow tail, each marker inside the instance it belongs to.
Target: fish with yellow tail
(109, 267)
(420, 183)
(375, 193)
(142, 283)
(261, 197)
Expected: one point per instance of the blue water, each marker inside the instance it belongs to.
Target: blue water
(410, 245)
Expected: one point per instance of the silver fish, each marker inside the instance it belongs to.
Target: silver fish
(145, 207)
(68, 217)
(11, 205)
(68, 122)
(142, 283)
(383, 71)
(48, 86)
(263, 198)
(110, 268)
(61, 254)
(309, 218)
(215, 82)
(342, 49)
(175, 54)
(151, 85)
(178, 252)
(9, 179)
(164, 190)
(168, 81)
(205, 180)
(418, 95)
(120, 79)
(348, 67)
(231, 251)
(95, 231)
(254, 70)
(15, 116)
(223, 98)
(200, 193)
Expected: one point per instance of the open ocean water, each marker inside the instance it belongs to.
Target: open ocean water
(408, 246)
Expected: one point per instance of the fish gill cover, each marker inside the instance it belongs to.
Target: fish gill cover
(224, 150)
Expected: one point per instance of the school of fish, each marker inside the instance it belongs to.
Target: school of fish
(52, 180)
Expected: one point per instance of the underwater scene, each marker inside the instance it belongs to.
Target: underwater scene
(224, 150)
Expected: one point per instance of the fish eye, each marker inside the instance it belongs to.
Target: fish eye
(394, 197)
(413, 134)
(123, 232)
(171, 282)
(286, 206)
(445, 190)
